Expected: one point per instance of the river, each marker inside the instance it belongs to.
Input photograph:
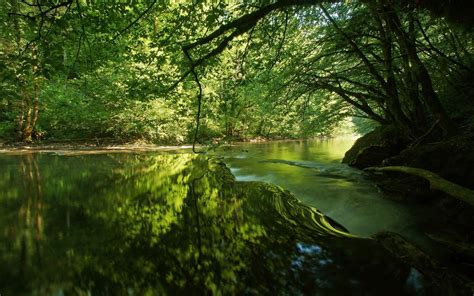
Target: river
(313, 171)
(136, 223)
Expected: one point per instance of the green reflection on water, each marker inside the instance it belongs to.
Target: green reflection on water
(159, 224)
(313, 172)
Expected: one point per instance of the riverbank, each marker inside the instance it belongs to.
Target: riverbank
(405, 171)
(95, 146)
(72, 149)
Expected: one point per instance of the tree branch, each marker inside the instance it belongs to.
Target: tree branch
(282, 41)
(43, 12)
(356, 48)
(237, 27)
(199, 99)
(134, 21)
(432, 47)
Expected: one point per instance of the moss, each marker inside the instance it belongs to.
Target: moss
(374, 147)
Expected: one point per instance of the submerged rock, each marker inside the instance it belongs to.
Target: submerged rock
(324, 170)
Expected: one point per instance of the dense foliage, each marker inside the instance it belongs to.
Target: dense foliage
(78, 70)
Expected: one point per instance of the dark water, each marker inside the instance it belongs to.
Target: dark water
(154, 224)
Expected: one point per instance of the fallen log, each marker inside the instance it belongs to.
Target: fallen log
(436, 182)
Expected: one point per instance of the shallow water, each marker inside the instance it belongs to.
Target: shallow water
(312, 170)
(149, 223)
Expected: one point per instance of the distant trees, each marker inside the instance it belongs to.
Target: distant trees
(377, 56)
(21, 72)
(283, 69)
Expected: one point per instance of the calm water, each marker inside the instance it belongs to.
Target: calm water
(312, 170)
(148, 223)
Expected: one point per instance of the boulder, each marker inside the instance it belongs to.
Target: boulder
(374, 147)
(452, 159)
(440, 279)
(371, 156)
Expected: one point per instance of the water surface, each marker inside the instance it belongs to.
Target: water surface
(312, 170)
(153, 224)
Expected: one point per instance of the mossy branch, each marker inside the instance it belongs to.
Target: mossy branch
(436, 181)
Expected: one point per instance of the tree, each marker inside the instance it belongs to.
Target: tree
(283, 69)
(377, 68)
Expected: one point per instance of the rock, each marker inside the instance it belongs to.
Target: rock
(374, 147)
(371, 156)
(452, 159)
(440, 280)
(404, 188)
(459, 246)
(457, 214)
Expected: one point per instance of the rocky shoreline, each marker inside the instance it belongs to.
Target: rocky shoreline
(439, 278)
(453, 160)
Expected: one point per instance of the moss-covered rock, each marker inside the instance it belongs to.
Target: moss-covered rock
(373, 148)
(452, 159)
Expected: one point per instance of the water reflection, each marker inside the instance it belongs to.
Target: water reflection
(166, 224)
(312, 170)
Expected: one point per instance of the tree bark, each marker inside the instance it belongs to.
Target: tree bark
(389, 86)
(420, 72)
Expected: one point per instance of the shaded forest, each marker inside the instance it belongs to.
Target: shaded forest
(397, 73)
(175, 73)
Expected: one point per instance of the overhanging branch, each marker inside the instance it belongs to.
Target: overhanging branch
(140, 16)
(236, 28)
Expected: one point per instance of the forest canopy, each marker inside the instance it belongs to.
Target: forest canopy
(218, 71)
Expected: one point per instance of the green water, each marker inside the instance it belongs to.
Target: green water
(154, 224)
(312, 170)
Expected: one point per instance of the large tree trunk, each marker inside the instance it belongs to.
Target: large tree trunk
(30, 124)
(420, 73)
(28, 99)
(31, 114)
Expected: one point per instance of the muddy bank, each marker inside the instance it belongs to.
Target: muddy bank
(76, 148)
